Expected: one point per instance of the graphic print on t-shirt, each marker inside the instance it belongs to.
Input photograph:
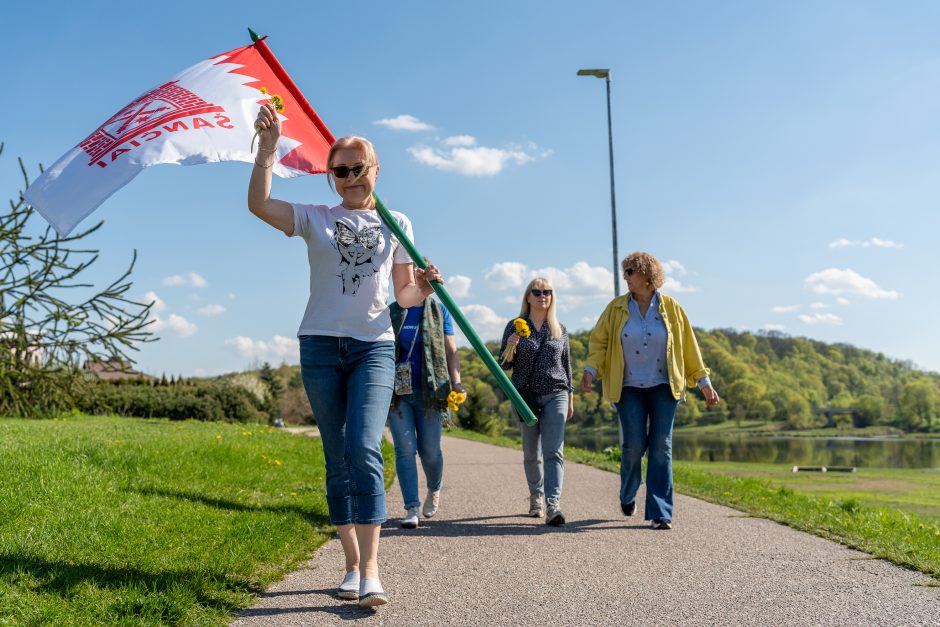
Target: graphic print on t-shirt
(356, 250)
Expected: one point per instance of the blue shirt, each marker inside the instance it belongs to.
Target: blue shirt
(644, 341)
(411, 328)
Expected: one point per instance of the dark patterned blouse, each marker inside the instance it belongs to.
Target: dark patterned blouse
(543, 371)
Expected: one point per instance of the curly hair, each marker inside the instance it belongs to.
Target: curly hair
(647, 265)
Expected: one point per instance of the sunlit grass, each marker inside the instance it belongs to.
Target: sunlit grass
(116, 520)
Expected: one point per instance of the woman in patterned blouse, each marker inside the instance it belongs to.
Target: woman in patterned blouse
(541, 371)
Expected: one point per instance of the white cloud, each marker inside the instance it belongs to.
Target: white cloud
(773, 327)
(212, 310)
(785, 308)
(487, 324)
(865, 243)
(576, 285)
(158, 304)
(404, 122)
(460, 140)
(677, 287)
(838, 282)
(459, 285)
(192, 279)
(820, 318)
(588, 322)
(673, 268)
(174, 324)
(819, 306)
(843, 301)
(472, 160)
(506, 275)
(278, 348)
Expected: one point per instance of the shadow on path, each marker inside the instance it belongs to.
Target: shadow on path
(514, 525)
(349, 610)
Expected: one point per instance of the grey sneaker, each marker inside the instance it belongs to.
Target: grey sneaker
(410, 521)
(431, 503)
(662, 523)
(555, 517)
(535, 506)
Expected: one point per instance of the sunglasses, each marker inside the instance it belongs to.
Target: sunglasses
(342, 171)
(629, 271)
(541, 292)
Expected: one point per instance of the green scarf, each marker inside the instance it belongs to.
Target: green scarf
(435, 376)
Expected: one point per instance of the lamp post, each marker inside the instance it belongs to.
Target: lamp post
(605, 74)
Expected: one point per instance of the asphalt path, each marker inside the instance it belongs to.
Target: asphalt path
(481, 561)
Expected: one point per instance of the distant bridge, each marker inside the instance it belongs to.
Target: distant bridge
(831, 412)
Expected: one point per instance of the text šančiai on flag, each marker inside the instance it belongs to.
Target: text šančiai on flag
(204, 114)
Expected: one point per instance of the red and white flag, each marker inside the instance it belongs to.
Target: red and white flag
(204, 114)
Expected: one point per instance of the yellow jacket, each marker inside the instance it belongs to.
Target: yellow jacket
(683, 357)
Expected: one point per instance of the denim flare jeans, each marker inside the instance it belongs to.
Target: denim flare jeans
(416, 430)
(349, 384)
(646, 417)
(546, 438)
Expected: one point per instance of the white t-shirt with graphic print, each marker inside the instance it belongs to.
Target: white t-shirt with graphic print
(351, 253)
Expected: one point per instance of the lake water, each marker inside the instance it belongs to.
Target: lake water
(796, 451)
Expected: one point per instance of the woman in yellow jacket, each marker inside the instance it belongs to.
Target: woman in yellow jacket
(644, 351)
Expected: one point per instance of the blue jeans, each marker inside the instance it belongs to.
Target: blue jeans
(349, 384)
(416, 430)
(646, 416)
(546, 437)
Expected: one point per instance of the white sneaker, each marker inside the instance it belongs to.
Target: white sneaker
(410, 521)
(432, 503)
(371, 593)
(349, 589)
(535, 506)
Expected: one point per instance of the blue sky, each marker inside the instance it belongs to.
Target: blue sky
(779, 157)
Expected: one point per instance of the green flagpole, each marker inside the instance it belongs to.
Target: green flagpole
(504, 383)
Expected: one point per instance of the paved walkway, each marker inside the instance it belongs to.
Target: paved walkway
(480, 561)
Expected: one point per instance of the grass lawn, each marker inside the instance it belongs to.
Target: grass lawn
(130, 521)
(891, 514)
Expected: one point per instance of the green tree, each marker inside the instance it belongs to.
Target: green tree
(51, 319)
(869, 409)
(743, 396)
(919, 402)
(274, 388)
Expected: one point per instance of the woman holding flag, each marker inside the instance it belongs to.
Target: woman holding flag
(347, 348)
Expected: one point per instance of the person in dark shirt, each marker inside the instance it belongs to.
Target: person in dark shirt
(541, 371)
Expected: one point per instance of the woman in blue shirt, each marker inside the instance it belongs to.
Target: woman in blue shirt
(427, 370)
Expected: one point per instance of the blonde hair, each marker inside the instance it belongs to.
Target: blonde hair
(554, 327)
(647, 265)
(369, 156)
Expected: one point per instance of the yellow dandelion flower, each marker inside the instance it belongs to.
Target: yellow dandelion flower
(293, 494)
(277, 461)
(522, 327)
(278, 103)
(264, 90)
(218, 437)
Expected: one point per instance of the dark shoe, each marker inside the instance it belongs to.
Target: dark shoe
(662, 523)
(628, 509)
(554, 518)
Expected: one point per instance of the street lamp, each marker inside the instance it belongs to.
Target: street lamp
(605, 74)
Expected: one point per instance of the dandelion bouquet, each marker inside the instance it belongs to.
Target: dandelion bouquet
(455, 399)
(522, 330)
(277, 102)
